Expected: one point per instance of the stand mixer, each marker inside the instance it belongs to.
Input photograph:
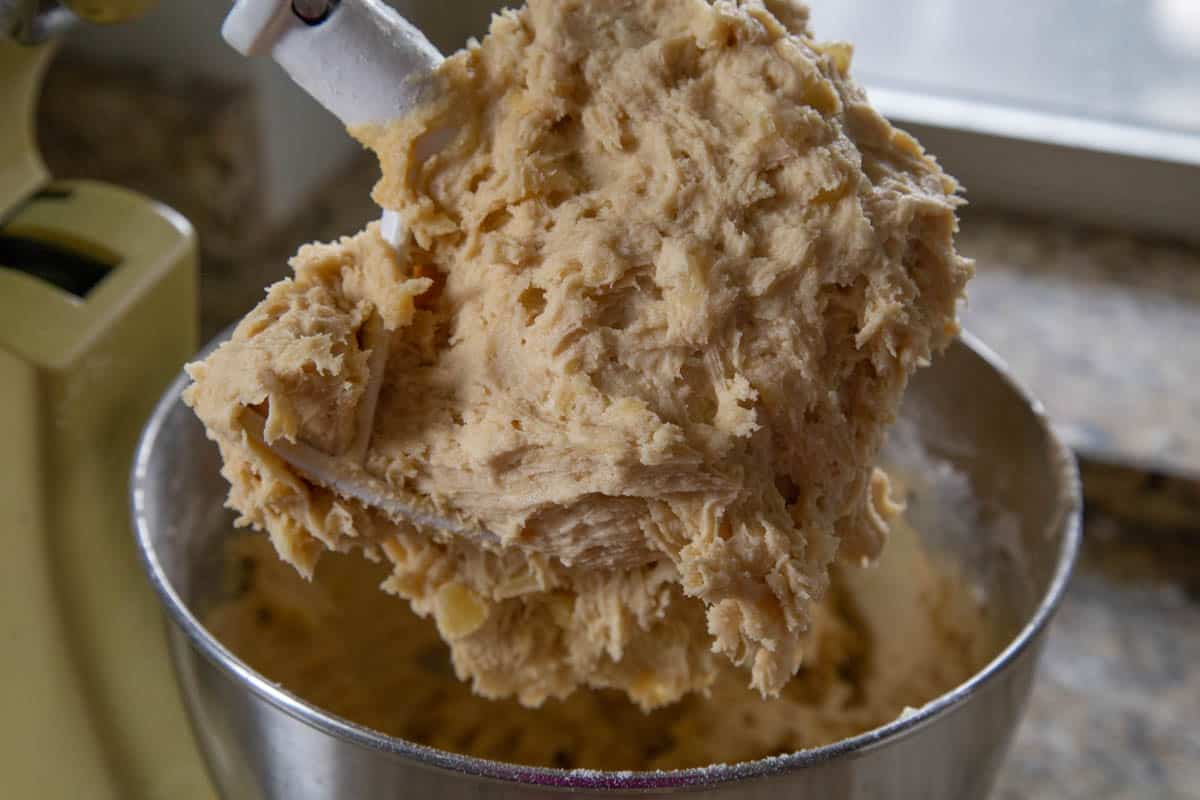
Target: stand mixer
(97, 312)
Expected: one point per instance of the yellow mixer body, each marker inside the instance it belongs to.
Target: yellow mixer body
(97, 313)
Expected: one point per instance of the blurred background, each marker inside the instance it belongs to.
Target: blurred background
(1074, 126)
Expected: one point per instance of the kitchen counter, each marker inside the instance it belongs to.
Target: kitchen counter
(1114, 708)
(1103, 326)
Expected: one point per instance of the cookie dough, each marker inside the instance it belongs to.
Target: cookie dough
(884, 639)
(664, 276)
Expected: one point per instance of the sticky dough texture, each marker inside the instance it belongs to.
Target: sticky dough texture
(889, 637)
(665, 283)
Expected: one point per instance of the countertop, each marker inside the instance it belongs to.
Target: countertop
(1104, 327)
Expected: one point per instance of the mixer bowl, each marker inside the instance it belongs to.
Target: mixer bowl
(260, 741)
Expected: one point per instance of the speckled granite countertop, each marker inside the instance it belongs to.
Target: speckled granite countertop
(1103, 327)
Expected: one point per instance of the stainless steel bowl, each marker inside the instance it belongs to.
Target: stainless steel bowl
(261, 741)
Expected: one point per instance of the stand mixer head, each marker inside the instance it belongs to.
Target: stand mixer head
(35, 21)
(97, 311)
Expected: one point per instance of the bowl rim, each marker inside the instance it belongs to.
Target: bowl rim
(1069, 522)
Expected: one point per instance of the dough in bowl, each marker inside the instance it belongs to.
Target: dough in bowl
(663, 281)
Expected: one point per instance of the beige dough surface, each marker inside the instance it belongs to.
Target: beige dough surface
(885, 638)
(664, 280)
